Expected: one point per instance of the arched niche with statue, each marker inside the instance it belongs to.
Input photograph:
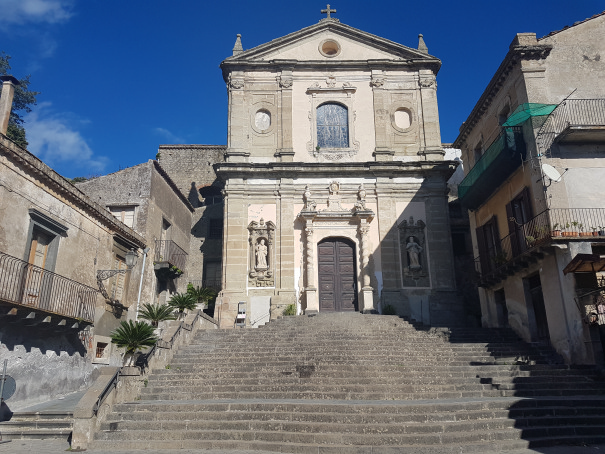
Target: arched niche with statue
(412, 242)
(262, 255)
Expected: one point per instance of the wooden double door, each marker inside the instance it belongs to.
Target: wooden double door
(337, 276)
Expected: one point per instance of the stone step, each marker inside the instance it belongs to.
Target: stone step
(37, 425)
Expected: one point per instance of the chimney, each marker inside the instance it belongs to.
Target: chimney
(6, 101)
(238, 49)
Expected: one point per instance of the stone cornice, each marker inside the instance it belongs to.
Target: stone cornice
(61, 186)
(515, 55)
(275, 170)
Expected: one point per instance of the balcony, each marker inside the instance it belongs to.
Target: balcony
(170, 259)
(38, 296)
(574, 121)
(526, 244)
(500, 160)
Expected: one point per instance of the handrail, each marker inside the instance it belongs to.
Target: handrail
(161, 343)
(252, 323)
(32, 286)
(103, 395)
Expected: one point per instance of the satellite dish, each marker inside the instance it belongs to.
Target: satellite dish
(551, 172)
(9, 387)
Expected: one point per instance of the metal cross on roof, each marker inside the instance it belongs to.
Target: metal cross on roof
(328, 10)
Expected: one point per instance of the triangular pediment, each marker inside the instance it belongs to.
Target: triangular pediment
(354, 45)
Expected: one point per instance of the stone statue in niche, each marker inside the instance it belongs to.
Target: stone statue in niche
(414, 250)
(412, 240)
(261, 254)
(261, 239)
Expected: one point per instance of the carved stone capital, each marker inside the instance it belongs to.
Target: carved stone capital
(377, 82)
(427, 83)
(236, 84)
(285, 81)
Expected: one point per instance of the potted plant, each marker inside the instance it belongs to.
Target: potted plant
(530, 240)
(574, 229)
(156, 313)
(581, 229)
(593, 231)
(134, 336)
(500, 258)
(601, 231)
(202, 295)
(182, 302)
(556, 230)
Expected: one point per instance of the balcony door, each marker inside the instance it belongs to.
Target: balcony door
(35, 279)
(519, 213)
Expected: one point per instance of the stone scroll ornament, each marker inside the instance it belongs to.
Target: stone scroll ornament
(412, 240)
(262, 240)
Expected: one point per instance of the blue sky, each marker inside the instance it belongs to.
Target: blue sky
(118, 78)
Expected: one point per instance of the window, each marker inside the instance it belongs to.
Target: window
(124, 214)
(488, 241)
(165, 235)
(215, 228)
(212, 195)
(212, 274)
(332, 126)
(43, 240)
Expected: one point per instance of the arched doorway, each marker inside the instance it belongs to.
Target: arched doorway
(337, 276)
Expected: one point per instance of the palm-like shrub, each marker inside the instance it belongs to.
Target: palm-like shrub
(133, 336)
(182, 302)
(156, 313)
(201, 294)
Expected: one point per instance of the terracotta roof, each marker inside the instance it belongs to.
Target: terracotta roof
(574, 24)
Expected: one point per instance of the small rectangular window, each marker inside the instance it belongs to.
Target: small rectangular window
(124, 214)
(215, 228)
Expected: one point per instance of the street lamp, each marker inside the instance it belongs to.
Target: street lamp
(102, 275)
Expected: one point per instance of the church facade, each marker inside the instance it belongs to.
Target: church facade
(334, 179)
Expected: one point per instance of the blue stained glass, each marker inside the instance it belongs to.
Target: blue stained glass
(332, 126)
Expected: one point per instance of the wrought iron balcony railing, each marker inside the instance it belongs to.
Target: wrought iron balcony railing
(573, 119)
(167, 251)
(503, 156)
(30, 286)
(522, 245)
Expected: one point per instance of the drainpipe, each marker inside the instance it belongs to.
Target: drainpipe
(145, 251)
(6, 101)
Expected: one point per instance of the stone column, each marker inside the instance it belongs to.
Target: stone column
(6, 101)
(311, 286)
(367, 297)
(285, 149)
(430, 117)
(383, 150)
(235, 253)
(237, 147)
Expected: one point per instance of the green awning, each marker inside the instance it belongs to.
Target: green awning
(528, 110)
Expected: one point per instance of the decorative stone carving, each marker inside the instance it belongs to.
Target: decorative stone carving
(310, 205)
(412, 240)
(427, 83)
(236, 84)
(360, 205)
(334, 197)
(261, 239)
(377, 82)
(331, 81)
(285, 82)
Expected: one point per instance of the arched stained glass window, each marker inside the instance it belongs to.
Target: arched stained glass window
(332, 126)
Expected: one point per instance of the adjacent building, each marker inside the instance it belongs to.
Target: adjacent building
(534, 154)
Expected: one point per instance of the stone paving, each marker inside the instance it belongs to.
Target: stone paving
(60, 446)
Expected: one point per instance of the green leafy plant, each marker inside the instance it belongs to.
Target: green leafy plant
(201, 294)
(134, 336)
(182, 302)
(156, 313)
(388, 309)
(500, 258)
(530, 240)
(290, 310)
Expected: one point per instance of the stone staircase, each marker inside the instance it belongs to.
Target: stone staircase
(348, 382)
(37, 425)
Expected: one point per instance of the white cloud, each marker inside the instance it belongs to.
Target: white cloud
(53, 139)
(173, 139)
(23, 11)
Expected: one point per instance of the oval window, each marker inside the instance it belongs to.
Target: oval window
(329, 48)
(403, 118)
(262, 120)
